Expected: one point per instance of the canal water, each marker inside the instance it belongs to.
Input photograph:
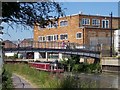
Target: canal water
(103, 80)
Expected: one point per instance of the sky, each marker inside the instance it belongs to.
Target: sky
(89, 8)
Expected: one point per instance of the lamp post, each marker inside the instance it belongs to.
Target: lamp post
(18, 43)
(111, 38)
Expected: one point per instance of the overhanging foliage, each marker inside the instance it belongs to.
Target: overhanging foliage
(29, 13)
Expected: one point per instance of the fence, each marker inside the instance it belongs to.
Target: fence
(104, 48)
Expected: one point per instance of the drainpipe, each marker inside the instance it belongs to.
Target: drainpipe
(83, 37)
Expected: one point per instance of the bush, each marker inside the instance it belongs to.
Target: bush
(6, 80)
(69, 64)
(15, 56)
(73, 64)
(77, 68)
(87, 68)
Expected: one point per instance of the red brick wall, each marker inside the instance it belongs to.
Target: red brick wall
(73, 28)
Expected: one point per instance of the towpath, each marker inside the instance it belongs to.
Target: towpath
(20, 82)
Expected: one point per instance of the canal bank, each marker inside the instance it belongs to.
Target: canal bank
(110, 64)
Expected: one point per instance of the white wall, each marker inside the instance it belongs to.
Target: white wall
(116, 40)
(36, 55)
(9, 54)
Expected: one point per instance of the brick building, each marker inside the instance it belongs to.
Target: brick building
(79, 28)
(91, 30)
(9, 44)
(26, 42)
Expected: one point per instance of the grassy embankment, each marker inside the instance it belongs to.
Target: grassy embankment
(47, 80)
(39, 78)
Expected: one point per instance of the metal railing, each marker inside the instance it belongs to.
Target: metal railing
(103, 48)
(51, 45)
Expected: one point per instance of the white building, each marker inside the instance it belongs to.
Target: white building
(9, 54)
(117, 41)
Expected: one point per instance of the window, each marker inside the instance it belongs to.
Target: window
(105, 23)
(78, 35)
(55, 37)
(52, 37)
(49, 38)
(85, 21)
(55, 24)
(41, 28)
(52, 24)
(41, 38)
(63, 36)
(64, 23)
(96, 22)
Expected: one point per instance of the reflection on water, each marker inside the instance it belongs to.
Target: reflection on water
(104, 80)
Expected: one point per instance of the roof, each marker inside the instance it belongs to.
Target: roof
(27, 40)
(8, 41)
(97, 15)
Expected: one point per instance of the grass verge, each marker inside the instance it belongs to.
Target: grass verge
(45, 79)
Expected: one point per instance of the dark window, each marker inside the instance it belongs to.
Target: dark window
(85, 21)
(64, 23)
(96, 22)
(78, 35)
(105, 23)
(63, 36)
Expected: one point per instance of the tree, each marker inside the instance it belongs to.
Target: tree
(30, 13)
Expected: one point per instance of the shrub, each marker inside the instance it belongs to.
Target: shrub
(6, 80)
(87, 68)
(15, 56)
(92, 68)
(77, 67)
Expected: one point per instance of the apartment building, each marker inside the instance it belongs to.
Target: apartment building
(79, 28)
